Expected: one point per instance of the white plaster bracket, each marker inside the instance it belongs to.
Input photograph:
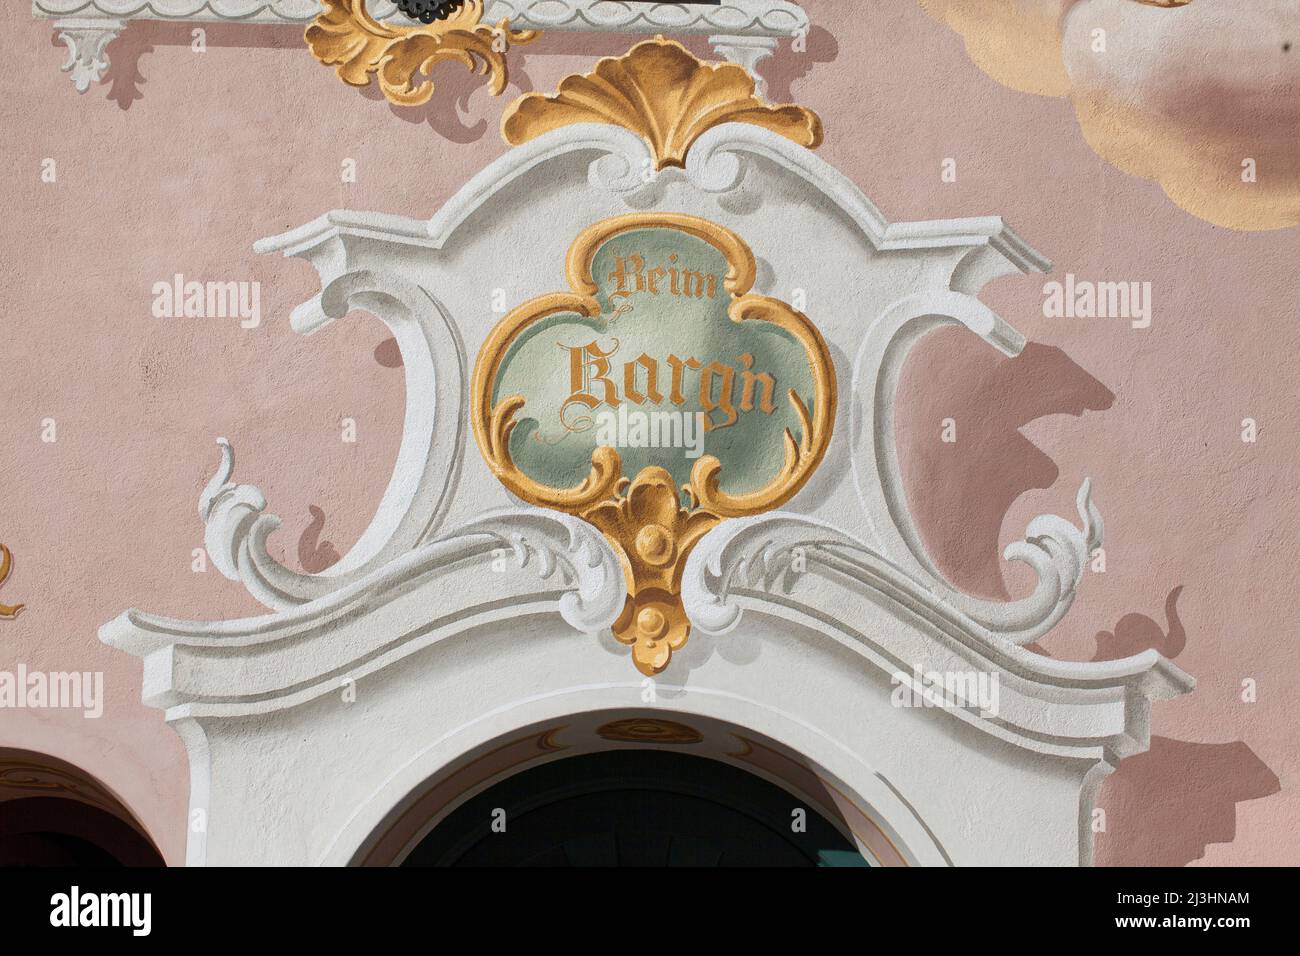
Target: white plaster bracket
(87, 40)
(748, 51)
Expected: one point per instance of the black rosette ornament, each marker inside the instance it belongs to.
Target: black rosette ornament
(427, 11)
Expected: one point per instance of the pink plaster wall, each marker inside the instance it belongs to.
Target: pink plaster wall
(181, 160)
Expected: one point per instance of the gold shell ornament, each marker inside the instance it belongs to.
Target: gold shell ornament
(661, 92)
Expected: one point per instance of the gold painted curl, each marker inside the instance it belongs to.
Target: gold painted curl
(7, 611)
(344, 35)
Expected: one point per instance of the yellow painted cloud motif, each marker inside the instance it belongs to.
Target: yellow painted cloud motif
(1017, 42)
(1202, 97)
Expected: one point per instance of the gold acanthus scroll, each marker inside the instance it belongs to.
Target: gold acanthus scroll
(348, 38)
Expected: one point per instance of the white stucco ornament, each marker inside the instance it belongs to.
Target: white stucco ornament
(371, 698)
(744, 31)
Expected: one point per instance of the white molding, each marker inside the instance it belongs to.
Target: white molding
(743, 31)
(841, 765)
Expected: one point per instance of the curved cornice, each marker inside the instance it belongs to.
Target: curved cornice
(889, 624)
(715, 164)
(201, 667)
(901, 626)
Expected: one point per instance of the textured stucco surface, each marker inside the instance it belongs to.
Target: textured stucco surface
(181, 160)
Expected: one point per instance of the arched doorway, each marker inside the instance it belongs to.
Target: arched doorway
(53, 814)
(634, 808)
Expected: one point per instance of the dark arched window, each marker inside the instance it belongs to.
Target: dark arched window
(634, 808)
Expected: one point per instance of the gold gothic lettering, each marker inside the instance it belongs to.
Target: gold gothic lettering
(592, 385)
(630, 276)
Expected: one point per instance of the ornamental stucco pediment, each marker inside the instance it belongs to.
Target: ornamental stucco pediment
(738, 225)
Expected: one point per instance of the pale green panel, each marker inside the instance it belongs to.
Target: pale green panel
(661, 325)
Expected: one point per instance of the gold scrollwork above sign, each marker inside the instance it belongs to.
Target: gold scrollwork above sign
(661, 92)
(692, 411)
(347, 37)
